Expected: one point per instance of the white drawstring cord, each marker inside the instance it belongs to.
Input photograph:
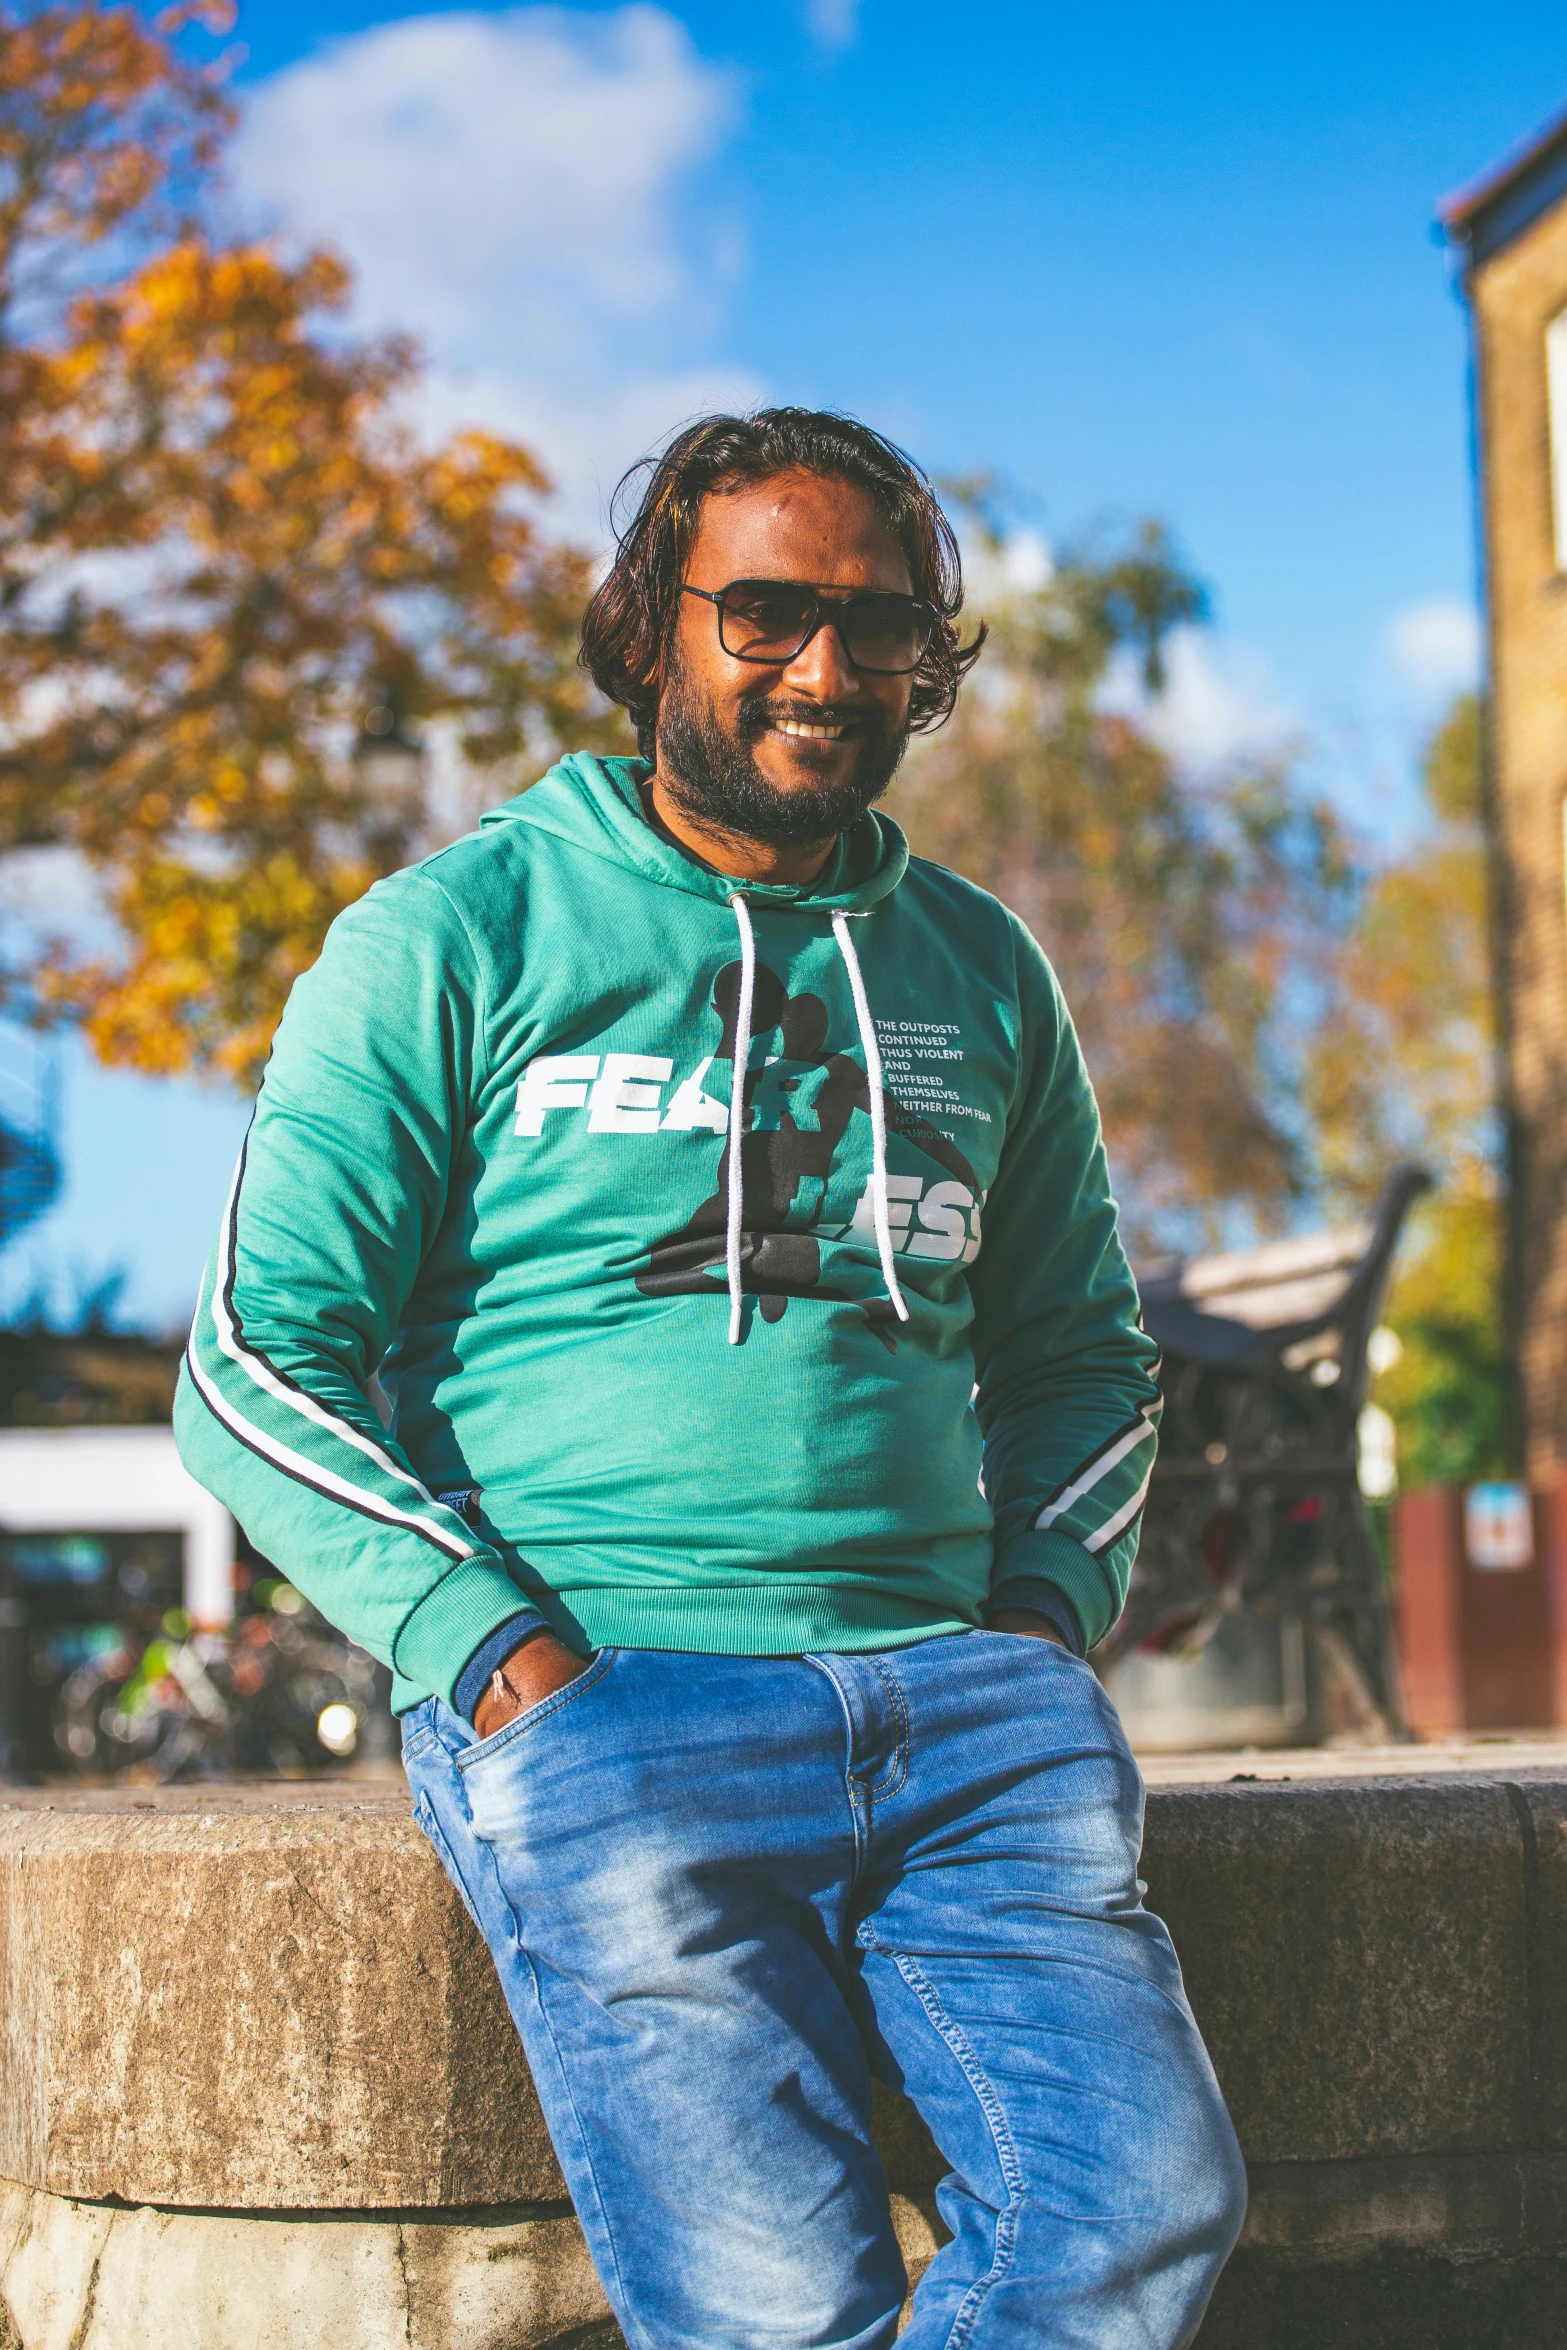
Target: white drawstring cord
(742, 915)
(872, 1051)
(878, 1110)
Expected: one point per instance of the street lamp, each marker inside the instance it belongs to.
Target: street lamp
(389, 763)
(390, 759)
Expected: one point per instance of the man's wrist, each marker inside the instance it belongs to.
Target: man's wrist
(505, 1695)
(1036, 1595)
(538, 1666)
(1030, 1623)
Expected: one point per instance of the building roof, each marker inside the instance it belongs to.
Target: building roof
(1507, 199)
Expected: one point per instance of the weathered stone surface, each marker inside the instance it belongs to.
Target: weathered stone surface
(271, 2003)
(1396, 2301)
(80, 2276)
(1464, 2206)
(1543, 1809)
(267, 2003)
(253, 2006)
(1357, 1958)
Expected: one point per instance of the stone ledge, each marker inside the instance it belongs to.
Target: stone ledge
(1365, 1959)
(94, 2276)
(262, 2020)
(1394, 2301)
(271, 2000)
(267, 2006)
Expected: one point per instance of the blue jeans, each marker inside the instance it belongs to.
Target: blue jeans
(723, 1892)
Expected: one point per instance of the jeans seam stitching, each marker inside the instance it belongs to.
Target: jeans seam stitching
(461, 1787)
(430, 1828)
(900, 1760)
(543, 2015)
(627, 2311)
(855, 1790)
(968, 2312)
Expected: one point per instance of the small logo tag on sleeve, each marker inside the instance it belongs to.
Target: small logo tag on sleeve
(464, 1499)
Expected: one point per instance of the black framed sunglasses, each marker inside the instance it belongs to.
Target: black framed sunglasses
(770, 621)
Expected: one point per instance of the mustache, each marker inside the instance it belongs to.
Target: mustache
(758, 713)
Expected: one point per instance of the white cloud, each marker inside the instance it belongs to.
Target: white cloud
(834, 23)
(1020, 564)
(1220, 703)
(1435, 646)
(511, 187)
(588, 437)
(1026, 564)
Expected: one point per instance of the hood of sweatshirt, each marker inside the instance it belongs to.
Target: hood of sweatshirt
(594, 804)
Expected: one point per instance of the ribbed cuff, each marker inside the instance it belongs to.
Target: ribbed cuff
(474, 1679)
(1041, 1599)
(439, 1636)
(1046, 1555)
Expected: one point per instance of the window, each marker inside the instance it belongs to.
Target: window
(1556, 396)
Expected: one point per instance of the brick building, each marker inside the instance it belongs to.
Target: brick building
(1511, 231)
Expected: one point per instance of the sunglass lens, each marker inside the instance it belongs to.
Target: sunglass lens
(887, 633)
(761, 622)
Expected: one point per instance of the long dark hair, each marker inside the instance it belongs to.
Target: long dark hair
(627, 628)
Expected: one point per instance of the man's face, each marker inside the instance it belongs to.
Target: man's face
(792, 753)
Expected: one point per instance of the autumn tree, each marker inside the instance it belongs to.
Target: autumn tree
(1186, 919)
(1403, 1065)
(228, 561)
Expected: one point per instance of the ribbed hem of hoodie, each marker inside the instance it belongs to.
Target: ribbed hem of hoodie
(451, 1622)
(1052, 1557)
(776, 1619)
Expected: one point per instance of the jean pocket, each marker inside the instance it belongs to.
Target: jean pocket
(520, 1724)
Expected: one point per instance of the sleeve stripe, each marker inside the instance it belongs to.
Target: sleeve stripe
(1140, 1431)
(231, 1339)
(1116, 1526)
(310, 1473)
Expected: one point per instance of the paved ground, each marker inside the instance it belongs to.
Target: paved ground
(379, 1786)
(1503, 1752)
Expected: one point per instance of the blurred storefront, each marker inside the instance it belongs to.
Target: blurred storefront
(140, 1634)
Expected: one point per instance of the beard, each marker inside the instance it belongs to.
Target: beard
(710, 772)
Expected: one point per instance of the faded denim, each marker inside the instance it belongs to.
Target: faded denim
(723, 1892)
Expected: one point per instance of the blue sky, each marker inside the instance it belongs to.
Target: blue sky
(1135, 260)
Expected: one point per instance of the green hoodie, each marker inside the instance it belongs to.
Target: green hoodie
(665, 1407)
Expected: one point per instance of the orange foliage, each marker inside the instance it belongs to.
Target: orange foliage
(222, 545)
(1406, 1065)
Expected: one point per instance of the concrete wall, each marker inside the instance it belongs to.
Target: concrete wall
(258, 2092)
(1378, 1970)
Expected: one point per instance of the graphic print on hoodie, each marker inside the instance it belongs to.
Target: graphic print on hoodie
(781, 1259)
(490, 1164)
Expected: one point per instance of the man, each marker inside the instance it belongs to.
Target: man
(720, 1195)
